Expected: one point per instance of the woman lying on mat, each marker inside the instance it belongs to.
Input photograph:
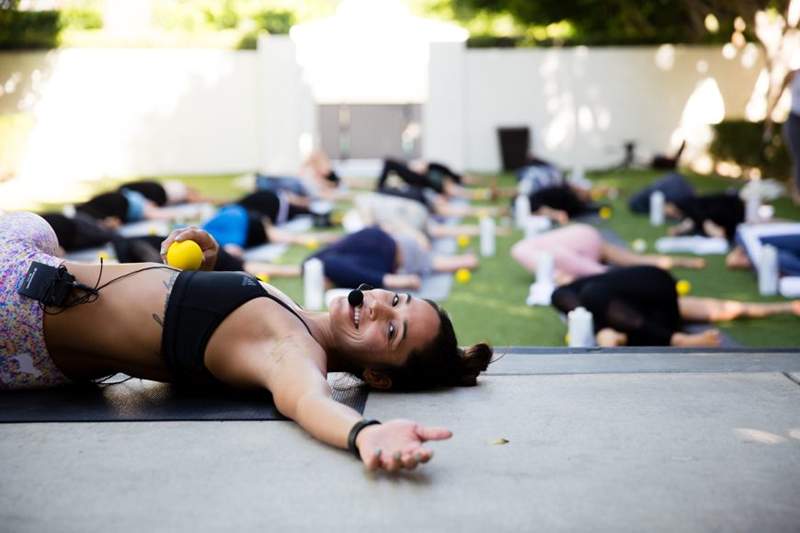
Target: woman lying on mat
(394, 259)
(640, 306)
(112, 209)
(155, 322)
(162, 193)
(373, 208)
(256, 219)
(580, 250)
(433, 176)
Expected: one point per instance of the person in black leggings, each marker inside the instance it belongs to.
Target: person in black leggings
(712, 215)
(560, 203)
(639, 306)
(434, 176)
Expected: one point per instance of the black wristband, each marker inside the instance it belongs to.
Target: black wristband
(351, 438)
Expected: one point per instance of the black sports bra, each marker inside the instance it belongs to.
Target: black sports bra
(197, 305)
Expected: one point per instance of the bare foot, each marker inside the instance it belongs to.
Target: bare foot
(737, 259)
(690, 262)
(709, 337)
(609, 338)
(796, 307)
(713, 230)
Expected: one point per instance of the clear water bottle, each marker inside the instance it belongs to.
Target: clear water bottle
(487, 236)
(313, 284)
(522, 210)
(768, 270)
(580, 326)
(656, 208)
(545, 265)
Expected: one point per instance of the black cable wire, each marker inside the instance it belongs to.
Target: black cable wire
(93, 293)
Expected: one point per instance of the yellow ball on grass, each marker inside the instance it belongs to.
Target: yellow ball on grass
(683, 287)
(463, 275)
(463, 241)
(605, 212)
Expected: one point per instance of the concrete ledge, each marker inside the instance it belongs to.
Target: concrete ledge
(530, 361)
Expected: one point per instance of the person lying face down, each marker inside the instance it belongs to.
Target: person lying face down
(200, 327)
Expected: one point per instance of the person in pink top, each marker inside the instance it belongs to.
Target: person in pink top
(579, 250)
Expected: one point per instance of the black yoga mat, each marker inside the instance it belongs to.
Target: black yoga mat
(140, 400)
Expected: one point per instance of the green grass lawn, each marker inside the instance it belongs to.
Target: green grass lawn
(491, 307)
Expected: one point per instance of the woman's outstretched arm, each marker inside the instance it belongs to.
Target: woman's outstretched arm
(301, 393)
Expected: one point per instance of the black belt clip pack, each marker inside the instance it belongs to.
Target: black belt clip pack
(47, 284)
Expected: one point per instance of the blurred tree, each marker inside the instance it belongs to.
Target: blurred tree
(628, 21)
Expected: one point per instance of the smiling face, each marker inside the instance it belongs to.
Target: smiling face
(389, 326)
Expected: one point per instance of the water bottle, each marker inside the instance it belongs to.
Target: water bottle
(545, 265)
(768, 270)
(522, 210)
(487, 237)
(313, 284)
(656, 208)
(580, 327)
(535, 225)
(752, 205)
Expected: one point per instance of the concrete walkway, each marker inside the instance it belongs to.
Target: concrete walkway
(625, 441)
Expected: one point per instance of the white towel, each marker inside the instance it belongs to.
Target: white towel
(789, 286)
(693, 245)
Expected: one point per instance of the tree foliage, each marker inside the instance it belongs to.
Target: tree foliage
(628, 21)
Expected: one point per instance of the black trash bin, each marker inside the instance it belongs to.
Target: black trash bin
(514, 145)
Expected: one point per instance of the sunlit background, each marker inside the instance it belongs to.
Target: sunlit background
(166, 87)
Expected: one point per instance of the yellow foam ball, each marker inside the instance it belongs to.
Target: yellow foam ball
(185, 255)
(463, 241)
(103, 256)
(463, 275)
(605, 213)
(263, 277)
(683, 287)
(639, 245)
(312, 244)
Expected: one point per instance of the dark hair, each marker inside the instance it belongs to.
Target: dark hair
(441, 363)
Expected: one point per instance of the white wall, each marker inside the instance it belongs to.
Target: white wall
(286, 109)
(138, 112)
(582, 104)
(444, 113)
(133, 112)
